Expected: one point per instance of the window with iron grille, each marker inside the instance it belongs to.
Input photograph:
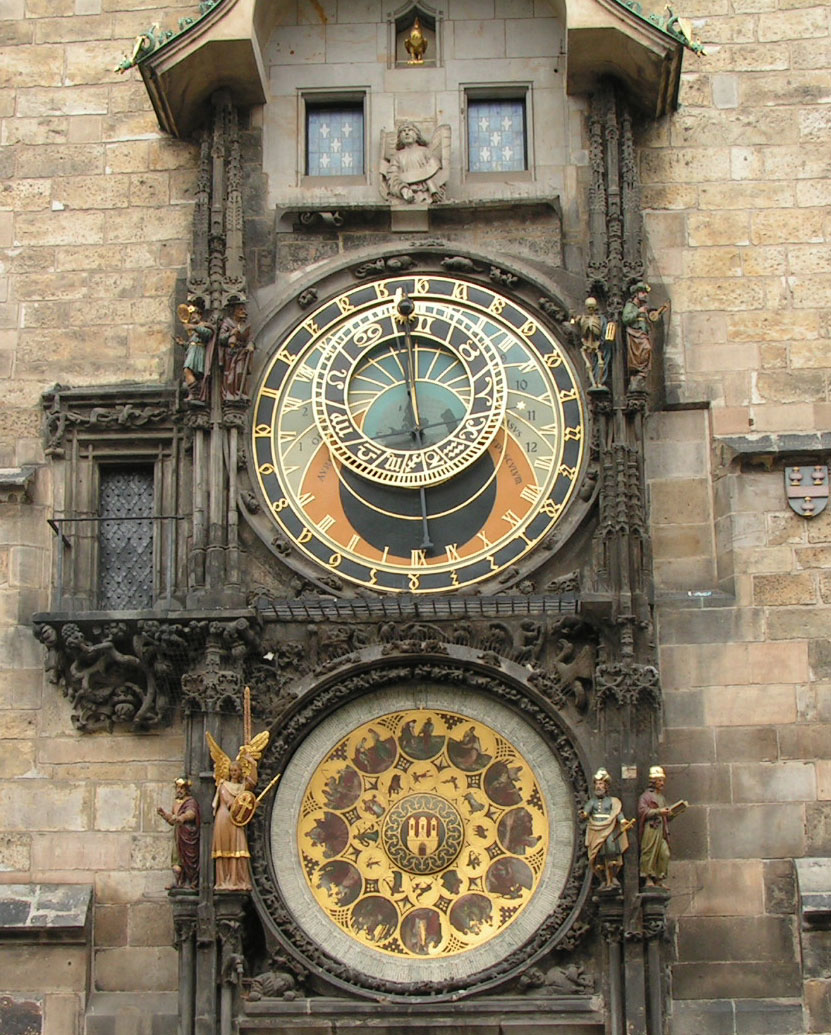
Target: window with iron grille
(125, 537)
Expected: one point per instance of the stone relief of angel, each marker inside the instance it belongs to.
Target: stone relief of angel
(413, 170)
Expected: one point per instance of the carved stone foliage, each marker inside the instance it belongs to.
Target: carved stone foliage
(103, 411)
(129, 673)
(559, 653)
(290, 731)
(627, 683)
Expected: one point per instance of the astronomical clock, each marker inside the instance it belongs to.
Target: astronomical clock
(419, 434)
(420, 437)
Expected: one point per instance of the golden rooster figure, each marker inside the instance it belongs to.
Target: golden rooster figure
(234, 805)
(416, 44)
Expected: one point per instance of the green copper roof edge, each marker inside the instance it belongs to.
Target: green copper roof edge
(663, 23)
(151, 42)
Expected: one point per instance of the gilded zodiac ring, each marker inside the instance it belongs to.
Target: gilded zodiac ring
(434, 420)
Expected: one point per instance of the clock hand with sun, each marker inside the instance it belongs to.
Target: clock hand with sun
(406, 308)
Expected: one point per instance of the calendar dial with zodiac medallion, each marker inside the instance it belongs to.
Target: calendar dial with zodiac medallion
(418, 434)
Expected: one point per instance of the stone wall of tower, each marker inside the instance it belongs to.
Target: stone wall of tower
(735, 187)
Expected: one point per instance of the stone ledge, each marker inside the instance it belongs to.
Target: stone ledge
(15, 483)
(46, 912)
(814, 882)
(811, 445)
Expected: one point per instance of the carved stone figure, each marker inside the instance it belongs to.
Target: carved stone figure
(233, 807)
(199, 335)
(185, 818)
(606, 839)
(637, 318)
(596, 350)
(654, 816)
(235, 348)
(413, 170)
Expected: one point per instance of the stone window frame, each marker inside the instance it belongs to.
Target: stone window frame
(115, 426)
(309, 98)
(498, 92)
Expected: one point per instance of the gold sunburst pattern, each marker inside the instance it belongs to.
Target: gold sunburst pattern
(423, 833)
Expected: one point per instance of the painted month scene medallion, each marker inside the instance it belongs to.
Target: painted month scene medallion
(423, 834)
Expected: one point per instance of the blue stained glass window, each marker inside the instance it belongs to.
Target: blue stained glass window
(496, 138)
(335, 140)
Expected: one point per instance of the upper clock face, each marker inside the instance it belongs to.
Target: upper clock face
(423, 454)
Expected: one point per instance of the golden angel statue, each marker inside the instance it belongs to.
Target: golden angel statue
(234, 805)
(413, 170)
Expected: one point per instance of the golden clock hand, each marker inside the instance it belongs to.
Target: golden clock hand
(406, 308)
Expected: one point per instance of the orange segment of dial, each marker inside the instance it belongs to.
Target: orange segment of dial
(513, 474)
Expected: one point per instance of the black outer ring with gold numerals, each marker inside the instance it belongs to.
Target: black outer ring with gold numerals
(490, 510)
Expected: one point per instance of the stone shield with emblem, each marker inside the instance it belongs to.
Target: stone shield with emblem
(806, 489)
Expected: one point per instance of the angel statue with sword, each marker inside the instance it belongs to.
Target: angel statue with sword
(234, 805)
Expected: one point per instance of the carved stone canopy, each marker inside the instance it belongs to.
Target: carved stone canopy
(223, 49)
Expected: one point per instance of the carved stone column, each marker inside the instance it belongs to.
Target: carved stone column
(230, 913)
(654, 903)
(185, 903)
(610, 908)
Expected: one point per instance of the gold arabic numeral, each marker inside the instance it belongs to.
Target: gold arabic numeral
(312, 326)
(353, 543)
(344, 305)
(266, 469)
(567, 472)
(373, 576)
(422, 286)
(497, 305)
(305, 536)
(553, 360)
(460, 291)
(452, 551)
(381, 290)
(485, 541)
(573, 434)
(262, 431)
(418, 558)
(335, 560)
(326, 523)
(531, 493)
(529, 329)
(568, 393)
(279, 505)
(454, 578)
(269, 393)
(414, 580)
(551, 509)
(306, 498)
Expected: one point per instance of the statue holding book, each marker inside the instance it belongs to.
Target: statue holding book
(654, 816)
